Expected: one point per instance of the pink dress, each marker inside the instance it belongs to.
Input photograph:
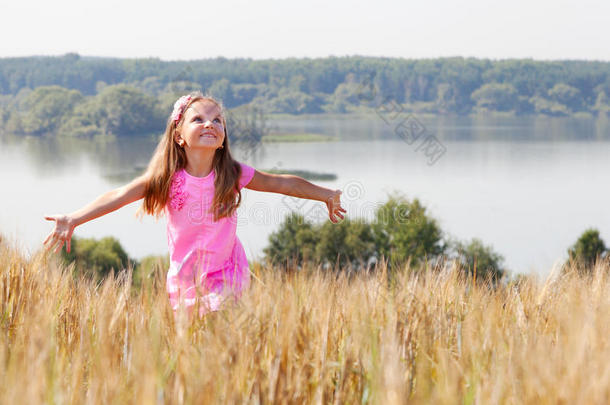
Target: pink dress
(207, 261)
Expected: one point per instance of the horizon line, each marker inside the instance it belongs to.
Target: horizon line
(331, 56)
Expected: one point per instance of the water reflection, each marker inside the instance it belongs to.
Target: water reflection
(120, 157)
(57, 155)
(459, 128)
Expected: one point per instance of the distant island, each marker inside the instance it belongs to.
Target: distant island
(79, 96)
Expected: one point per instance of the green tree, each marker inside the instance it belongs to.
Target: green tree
(496, 97)
(566, 95)
(5, 115)
(293, 102)
(223, 90)
(246, 92)
(118, 110)
(542, 105)
(403, 230)
(474, 254)
(294, 240)
(97, 258)
(347, 93)
(246, 127)
(84, 121)
(602, 103)
(124, 110)
(587, 249)
(445, 98)
(47, 107)
(350, 243)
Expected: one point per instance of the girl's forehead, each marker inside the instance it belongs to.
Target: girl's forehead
(204, 107)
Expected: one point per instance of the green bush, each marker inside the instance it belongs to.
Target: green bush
(566, 95)
(47, 107)
(496, 97)
(348, 244)
(294, 240)
(587, 249)
(403, 230)
(475, 256)
(150, 271)
(97, 258)
(543, 106)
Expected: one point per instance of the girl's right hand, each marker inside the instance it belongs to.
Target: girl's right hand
(62, 233)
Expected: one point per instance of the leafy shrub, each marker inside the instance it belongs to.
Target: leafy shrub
(589, 248)
(97, 258)
(475, 256)
(150, 271)
(403, 230)
(294, 240)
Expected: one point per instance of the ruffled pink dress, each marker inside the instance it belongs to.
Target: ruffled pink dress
(207, 261)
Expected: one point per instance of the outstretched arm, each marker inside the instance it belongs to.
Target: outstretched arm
(102, 205)
(296, 186)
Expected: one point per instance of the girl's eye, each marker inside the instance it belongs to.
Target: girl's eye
(217, 120)
(197, 119)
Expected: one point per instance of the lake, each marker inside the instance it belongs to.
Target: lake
(527, 186)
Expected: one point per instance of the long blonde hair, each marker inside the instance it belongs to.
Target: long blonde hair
(169, 158)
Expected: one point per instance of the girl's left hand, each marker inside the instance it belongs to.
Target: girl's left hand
(334, 206)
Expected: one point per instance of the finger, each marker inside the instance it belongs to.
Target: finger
(49, 246)
(68, 245)
(52, 244)
(57, 240)
(49, 236)
(58, 248)
(49, 217)
(52, 240)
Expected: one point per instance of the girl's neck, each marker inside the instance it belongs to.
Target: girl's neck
(199, 164)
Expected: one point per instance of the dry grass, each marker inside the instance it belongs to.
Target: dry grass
(432, 337)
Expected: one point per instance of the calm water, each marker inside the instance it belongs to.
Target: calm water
(527, 187)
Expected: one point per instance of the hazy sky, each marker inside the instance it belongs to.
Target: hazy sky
(545, 29)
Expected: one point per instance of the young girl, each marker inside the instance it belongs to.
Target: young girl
(193, 179)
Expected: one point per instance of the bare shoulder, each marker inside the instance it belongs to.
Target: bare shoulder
(262, 181)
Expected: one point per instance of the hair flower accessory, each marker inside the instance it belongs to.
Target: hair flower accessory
(179, 107)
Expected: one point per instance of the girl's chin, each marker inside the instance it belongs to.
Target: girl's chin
(205, 145)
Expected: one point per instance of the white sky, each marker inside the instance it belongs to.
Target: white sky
(545, 29)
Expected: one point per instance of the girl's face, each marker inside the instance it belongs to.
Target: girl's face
(202, 126)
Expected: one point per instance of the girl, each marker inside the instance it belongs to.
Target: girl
(193, 179)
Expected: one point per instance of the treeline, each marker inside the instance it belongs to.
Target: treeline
(443, 86)
(117, 110)
(401, 232)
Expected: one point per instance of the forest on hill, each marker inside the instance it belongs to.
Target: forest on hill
(77, 96)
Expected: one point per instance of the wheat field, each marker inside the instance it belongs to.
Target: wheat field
(431, 336)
